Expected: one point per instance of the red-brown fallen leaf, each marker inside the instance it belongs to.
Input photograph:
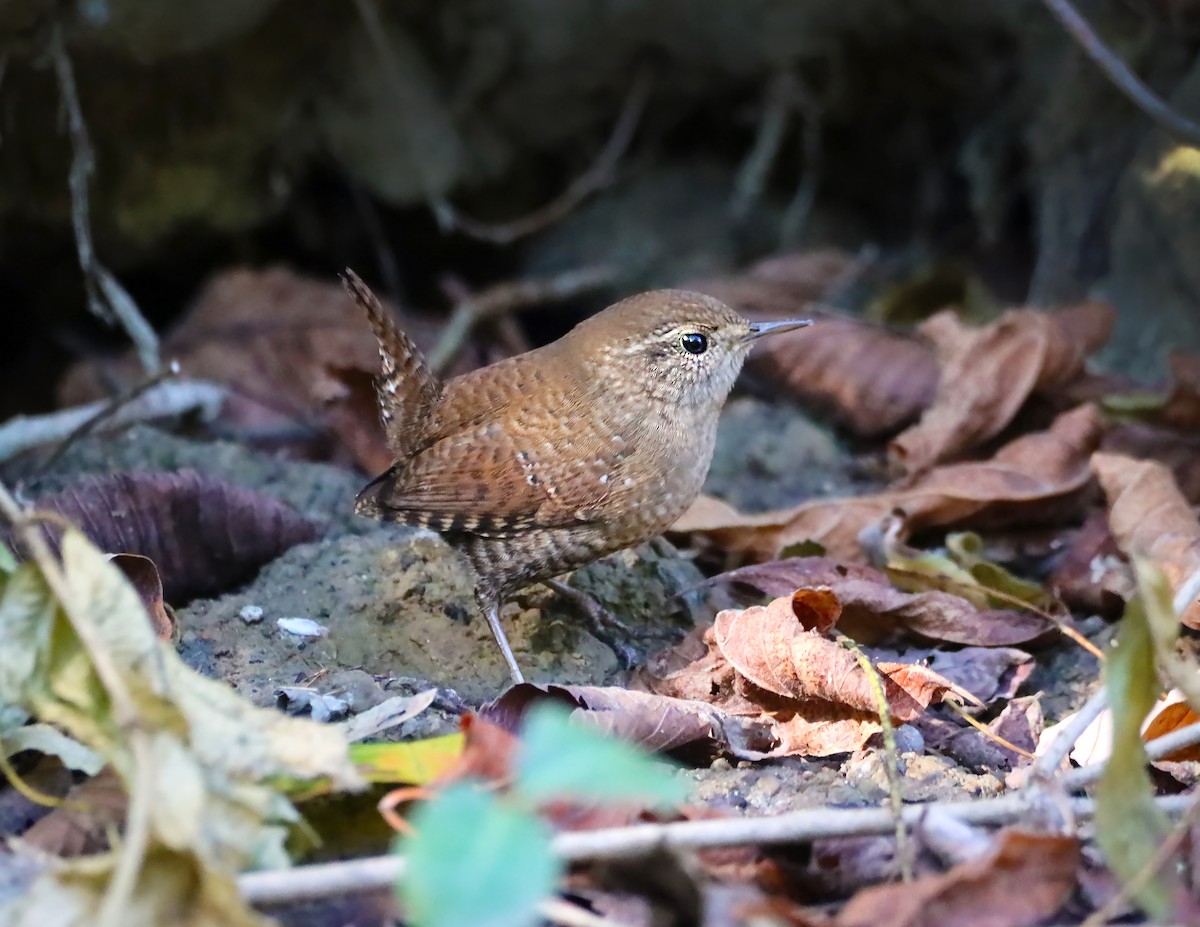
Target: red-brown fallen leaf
(988, 374)
(688, 729)
(870, 378)
(1149, 516)
(1090, 574)
(1034, 479)
(871, 608)
(271, 336)
(1025, 879)
(761, 662)
(204, 535)
(144, 577)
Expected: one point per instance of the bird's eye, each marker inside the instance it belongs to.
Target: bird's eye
(694, 343)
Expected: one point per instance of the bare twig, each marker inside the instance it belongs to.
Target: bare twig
(107, 298)
(559, 911)
(1156, 749)
(795, 217)
(596, 177)
(110, 409)
(162, 400)
(503, 298)
(751, 177)
(1119, 73)
(326, 879)
(1046, 765)
(402, 90)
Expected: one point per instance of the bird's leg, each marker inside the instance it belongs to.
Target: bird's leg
(603, 624)
(491, 610)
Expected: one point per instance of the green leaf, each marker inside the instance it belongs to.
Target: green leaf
(1129, 826)
(8, 563)
(476, 862)
(562, 759)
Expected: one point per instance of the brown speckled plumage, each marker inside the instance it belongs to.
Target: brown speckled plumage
(547, 461)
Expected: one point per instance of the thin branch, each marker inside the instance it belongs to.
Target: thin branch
(111, 408)
(795, 217)
(503, 298)
(107, 298)
(164, 400)
(1046, 765)
(326, 879)
(1119, 73)
(596, 177)
(751, 177)
(1156, 750)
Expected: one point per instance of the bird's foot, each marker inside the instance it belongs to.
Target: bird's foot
(604, 625)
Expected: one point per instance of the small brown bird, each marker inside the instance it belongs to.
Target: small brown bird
(552, 459)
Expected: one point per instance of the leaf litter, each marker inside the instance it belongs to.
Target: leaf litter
(950, 631)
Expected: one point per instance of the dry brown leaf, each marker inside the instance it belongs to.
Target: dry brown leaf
(688, 729)
(1034, 479)
(203, 534)
(872, 608)
(1025, 879)
(988, 373)
(761, 662)
(143, 575)
(272, 337)
(1149, 516)
(868, 377)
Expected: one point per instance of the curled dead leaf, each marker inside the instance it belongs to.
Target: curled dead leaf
(1034, 479)
(144, 577)
(1149, 516)
(988, 373)
(871, 607)
(203, 534)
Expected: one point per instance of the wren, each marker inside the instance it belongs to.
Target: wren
(546, 461)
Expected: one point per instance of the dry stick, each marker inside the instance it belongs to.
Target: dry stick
(795, 217)
(1119, 73)
(163, 400)
(401, 88)
(1046, 765)
(107, 298)
(110, 409)
(326, 879)
(113, 908)
(596, 177)
(751, 177)
(503, 298)
(558, 911)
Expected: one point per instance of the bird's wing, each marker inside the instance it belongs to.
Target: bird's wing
(409, 390)
(496, 472)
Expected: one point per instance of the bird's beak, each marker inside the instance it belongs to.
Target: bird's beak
(758, 329)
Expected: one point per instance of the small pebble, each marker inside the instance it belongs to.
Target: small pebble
(302, 627)
(251, 614)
